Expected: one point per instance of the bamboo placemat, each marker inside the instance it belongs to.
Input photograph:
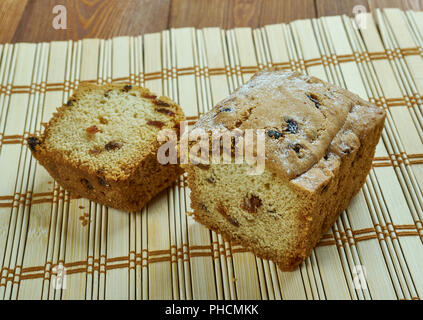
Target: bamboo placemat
(53, 246)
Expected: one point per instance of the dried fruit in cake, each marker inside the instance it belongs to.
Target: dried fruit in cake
(96, 147)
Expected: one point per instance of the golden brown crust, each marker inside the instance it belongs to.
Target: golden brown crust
(304, 118)
(128, 195)
(134, 183)
(336, 195)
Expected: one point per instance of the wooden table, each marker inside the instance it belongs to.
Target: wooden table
(31, 20)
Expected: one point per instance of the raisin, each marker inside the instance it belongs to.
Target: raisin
(233, 221)
(102, 182)
(314, 99)
(106, 94)
(203, 207)
(126, 88)
(112, 145)
(70, 102)
(292, 126)
(325, 188)
(155, 123)
(295, 146)
(274, 134)
(149, 96)
(326, 157)
(211, 180)
(225, 110)
(95, 151)
(92, 130)
(221, 209)
(33, 142)
(347, 150)
(203, 166)
(87, 184)
(159, 102)
(166, 111)
(251, 203)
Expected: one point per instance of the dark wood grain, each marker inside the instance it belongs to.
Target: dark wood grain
(31, 20)
(337, 7)
(92, 19)
(244, 13)
(11, 12)
(237, 13)
(276, 11)
(199, 14)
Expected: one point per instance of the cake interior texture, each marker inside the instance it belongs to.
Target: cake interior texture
(102, 144)
(320, 142)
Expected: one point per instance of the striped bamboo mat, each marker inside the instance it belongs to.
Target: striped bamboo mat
(53, 246)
